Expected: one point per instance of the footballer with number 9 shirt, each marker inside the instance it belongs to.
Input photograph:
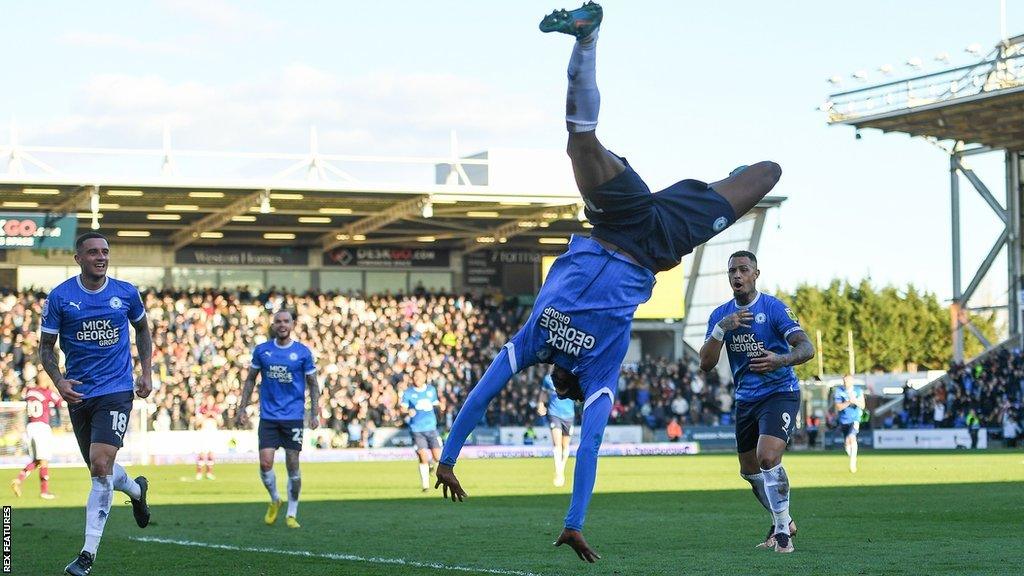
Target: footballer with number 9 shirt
(764, 341)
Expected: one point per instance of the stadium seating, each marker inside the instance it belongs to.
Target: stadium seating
(366, 349)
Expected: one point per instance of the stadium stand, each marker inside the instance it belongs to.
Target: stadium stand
(366, 349)
(992, 387)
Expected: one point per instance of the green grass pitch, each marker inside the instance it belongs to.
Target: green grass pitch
(950, 513)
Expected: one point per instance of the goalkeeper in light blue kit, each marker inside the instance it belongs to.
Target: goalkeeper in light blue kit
(582, 316)
(849, 404)
(561, 416)
(418, 403)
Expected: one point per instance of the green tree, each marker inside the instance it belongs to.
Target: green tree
(894, 329)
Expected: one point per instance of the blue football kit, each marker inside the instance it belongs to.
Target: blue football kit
(92, 328)
(423, 402)
(422, 424)
(766, 403)
(849, 417)
(582, 316)
(562, 408)
(283, 371)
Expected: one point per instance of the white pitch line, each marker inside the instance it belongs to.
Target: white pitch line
(334, 556)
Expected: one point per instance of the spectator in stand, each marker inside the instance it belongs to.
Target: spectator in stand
(674, 430)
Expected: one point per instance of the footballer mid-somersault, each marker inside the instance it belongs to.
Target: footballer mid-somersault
(582, 317)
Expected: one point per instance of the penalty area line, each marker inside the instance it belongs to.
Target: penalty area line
(333, 556)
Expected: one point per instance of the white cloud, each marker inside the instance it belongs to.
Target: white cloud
(388, 114)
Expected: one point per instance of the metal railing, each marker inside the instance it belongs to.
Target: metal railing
(1003, 68)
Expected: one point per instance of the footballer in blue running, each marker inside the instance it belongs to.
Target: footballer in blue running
(287, 371)
(849, 405)
(561, 416)
(583, 314)
(764, 341)
(418, 404)
(89, 315)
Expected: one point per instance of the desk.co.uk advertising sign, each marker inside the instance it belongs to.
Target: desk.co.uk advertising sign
(37, 231)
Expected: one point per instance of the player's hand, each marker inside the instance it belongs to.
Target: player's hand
(242, 419)
(767, 362)
(144, 386)
(542, 409)
(738, 319)
(574, 538)
(66, 389)
(446, 478)
(314, 421)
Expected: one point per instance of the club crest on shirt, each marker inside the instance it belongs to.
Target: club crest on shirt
(760, 318)
(720, 223)
(115, 302)
(293, 356)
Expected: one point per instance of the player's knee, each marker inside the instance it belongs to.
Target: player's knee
(101, 466)
(769, 460)
(770, 172)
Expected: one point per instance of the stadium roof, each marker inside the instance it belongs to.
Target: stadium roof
(981, 104)
(500, 197)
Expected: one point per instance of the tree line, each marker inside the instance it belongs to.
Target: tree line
(894, 329)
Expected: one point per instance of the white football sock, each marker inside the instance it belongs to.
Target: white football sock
(853, 456)
(270, 481)
(123, 483)
(97, 509)
(425, 476)
(294, 487)
(757, 485)
(559, 460)
(776, 486)
(583, 100)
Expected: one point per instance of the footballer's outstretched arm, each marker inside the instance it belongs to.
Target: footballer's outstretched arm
(595, 418)
(493, 380)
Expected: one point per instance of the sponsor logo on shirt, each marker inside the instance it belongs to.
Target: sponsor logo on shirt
(562, 335)
(102, 332)
(746, 344)
(279, 373)
(77, 305)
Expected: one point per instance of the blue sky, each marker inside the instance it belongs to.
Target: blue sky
(689, 90)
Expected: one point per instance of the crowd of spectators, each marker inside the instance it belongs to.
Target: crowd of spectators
(366, 349)
(989, 393)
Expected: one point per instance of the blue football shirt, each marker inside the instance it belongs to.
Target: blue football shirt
(582, 316)
(283, 370)
(93, 329)
(563, 408)
(773, 322)
(423, 402)
(851, 413)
